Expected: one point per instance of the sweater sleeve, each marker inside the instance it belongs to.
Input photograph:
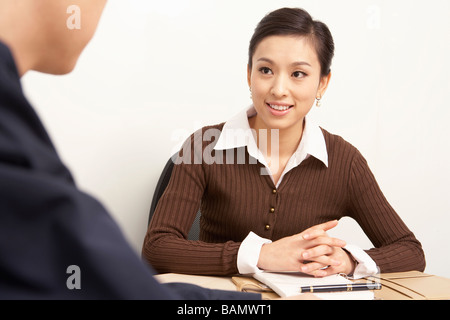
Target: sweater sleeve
(396, 248)
(166, 246)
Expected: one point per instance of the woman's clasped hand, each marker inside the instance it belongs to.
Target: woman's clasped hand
(312, 252)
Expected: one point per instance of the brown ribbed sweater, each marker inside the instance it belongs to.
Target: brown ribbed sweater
(236, 199)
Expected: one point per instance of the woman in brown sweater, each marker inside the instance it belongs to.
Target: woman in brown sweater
(270, 183)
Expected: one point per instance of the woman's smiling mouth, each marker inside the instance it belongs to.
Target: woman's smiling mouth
(277, 109)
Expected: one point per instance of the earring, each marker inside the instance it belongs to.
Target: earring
(318, 102)
(251, 95)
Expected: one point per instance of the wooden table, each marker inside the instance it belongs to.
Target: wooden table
(395, 286)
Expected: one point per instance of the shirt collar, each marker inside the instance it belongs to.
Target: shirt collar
(237, 133)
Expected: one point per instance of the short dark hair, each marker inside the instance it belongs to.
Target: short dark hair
(296, 22)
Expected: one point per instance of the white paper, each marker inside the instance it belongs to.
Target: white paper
(288, 284)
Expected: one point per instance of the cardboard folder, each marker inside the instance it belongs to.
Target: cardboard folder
(413, 285)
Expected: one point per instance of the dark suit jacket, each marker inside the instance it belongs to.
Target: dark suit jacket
(47, 224)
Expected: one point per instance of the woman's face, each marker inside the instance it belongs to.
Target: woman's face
(285, 80)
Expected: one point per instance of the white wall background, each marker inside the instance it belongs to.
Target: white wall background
(157, 70)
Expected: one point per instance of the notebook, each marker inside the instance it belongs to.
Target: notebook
(288, 284)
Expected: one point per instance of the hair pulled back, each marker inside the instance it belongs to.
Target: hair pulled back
(296, 22)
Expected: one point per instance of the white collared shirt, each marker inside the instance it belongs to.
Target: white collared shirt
(236, 133)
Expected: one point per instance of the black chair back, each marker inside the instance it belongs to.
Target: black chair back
(159, 190)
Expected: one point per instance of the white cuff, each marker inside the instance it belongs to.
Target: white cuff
(366, 266)
(248, 254)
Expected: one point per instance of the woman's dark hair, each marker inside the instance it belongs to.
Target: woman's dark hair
(296, 22)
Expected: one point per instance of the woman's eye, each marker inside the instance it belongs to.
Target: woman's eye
(265, 70)
(298, 74)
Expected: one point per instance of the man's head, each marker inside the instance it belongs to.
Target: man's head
(48, 35)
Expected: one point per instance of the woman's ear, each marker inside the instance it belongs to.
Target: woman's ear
(323, 84)
(249, 76)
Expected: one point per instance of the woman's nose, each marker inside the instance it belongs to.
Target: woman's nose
(279, 86)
